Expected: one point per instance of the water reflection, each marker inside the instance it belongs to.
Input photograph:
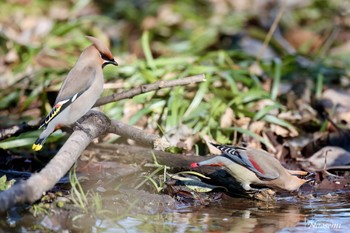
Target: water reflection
(241, 215)
(289, 214)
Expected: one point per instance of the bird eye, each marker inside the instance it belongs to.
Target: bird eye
(104, 57)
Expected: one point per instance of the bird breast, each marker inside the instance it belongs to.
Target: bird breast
(85, 102)
(242, 174)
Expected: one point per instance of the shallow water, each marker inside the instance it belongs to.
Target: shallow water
(325, 213)
(241, 215)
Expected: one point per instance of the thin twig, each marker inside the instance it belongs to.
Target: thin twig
(329, 40)
(24, 127)
(150, 87)
(271, 31)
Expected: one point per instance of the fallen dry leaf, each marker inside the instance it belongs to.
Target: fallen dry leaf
(338, 98)
(304, 39)
(227, 118)
(280, 131)
(257, 127)
(328, 156)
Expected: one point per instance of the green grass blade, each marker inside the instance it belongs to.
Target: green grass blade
(319, 85)
(147, 50)
(274, 120)
(276, 79)
(253, 135)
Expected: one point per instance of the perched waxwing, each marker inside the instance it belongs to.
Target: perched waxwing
(250, 166)
(79, 91)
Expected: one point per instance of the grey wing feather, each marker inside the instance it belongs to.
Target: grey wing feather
(77, 81)
(246, 163)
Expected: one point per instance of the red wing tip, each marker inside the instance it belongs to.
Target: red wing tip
(193, 165)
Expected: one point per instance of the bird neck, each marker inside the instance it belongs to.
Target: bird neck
(89, 56)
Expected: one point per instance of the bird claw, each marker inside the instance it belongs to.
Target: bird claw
(85, 130)
(263, 194)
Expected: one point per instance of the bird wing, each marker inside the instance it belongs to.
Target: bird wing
(239, 155)
(58, 108)
(71, 89)
(77, 81)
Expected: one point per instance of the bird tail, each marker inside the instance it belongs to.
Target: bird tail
(38, 144)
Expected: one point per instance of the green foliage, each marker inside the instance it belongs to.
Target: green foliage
(40, 209)
(157, 182)
(163, 41)
(5, 184)
(88, 202)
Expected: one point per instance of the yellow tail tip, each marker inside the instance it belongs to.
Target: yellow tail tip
(37, 147)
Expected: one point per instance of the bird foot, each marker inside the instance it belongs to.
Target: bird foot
(85, 130)
(263, 194)
(254, 190)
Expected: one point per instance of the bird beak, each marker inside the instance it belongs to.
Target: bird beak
(107, 62)
(112, 62)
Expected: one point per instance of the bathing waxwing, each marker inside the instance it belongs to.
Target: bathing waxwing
(250, 166)
(79, 91)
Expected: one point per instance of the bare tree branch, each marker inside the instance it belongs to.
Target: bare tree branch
(141, 137)
(16, 130)
(97, 123)
(178, 162)
(32, 189)
(150, 87)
